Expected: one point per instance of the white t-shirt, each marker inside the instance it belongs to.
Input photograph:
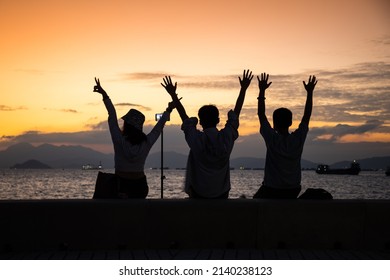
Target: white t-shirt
(208, 168)
(128, 157)
(283, 159)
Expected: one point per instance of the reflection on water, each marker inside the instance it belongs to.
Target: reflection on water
(79, 184)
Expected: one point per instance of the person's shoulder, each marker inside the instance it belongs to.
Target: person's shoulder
(189, 123)
(302, 129)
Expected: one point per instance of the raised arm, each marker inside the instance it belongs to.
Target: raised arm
(244, 82)
(263, 85)
(115, 131)
(98, 88)
(106, 100)
(171, 89)
(309, 87)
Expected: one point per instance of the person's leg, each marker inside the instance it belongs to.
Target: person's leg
(262, 192)
(134, 188)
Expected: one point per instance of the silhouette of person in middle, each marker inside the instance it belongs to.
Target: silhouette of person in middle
(282, 173)
(208, 169)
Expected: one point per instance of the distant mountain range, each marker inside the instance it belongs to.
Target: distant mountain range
(54, 156)
(31, 164)
(77, 156)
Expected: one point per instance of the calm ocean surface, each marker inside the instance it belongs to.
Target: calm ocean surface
(79, 184)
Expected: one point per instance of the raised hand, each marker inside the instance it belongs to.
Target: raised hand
(246, 79)
(311, 84)
(98, 88)
(244, 82)
(168, 85)
(309, 99)
(171, 89)
(263, 81)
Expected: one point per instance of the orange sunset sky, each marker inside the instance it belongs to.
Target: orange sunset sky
(51, 51)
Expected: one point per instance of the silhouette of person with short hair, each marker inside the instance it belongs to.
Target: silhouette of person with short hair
(131, 146)
(282, 173)
(208, 169)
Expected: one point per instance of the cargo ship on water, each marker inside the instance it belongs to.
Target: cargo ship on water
(354, 169)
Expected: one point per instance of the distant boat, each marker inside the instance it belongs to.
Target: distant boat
(245, 168)
(354, 169)
(92, 167)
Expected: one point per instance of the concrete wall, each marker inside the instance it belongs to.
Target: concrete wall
(152, 224)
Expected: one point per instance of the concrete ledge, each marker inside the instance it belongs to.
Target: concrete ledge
(36, 225)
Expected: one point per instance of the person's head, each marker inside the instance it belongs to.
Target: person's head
(208, 116)
(132, 126)
(282, 118)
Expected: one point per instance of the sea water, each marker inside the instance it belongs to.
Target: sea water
(16, 184)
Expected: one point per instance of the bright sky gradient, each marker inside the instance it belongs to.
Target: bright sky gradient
(51, 51)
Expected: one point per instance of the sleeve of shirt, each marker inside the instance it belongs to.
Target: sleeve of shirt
(115, 131)
(304, 126)
(266, 131)
(190, 131)
(302, 130)
(233, 123)
(156, 131)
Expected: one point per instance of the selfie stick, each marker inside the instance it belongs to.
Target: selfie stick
(162, 164)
